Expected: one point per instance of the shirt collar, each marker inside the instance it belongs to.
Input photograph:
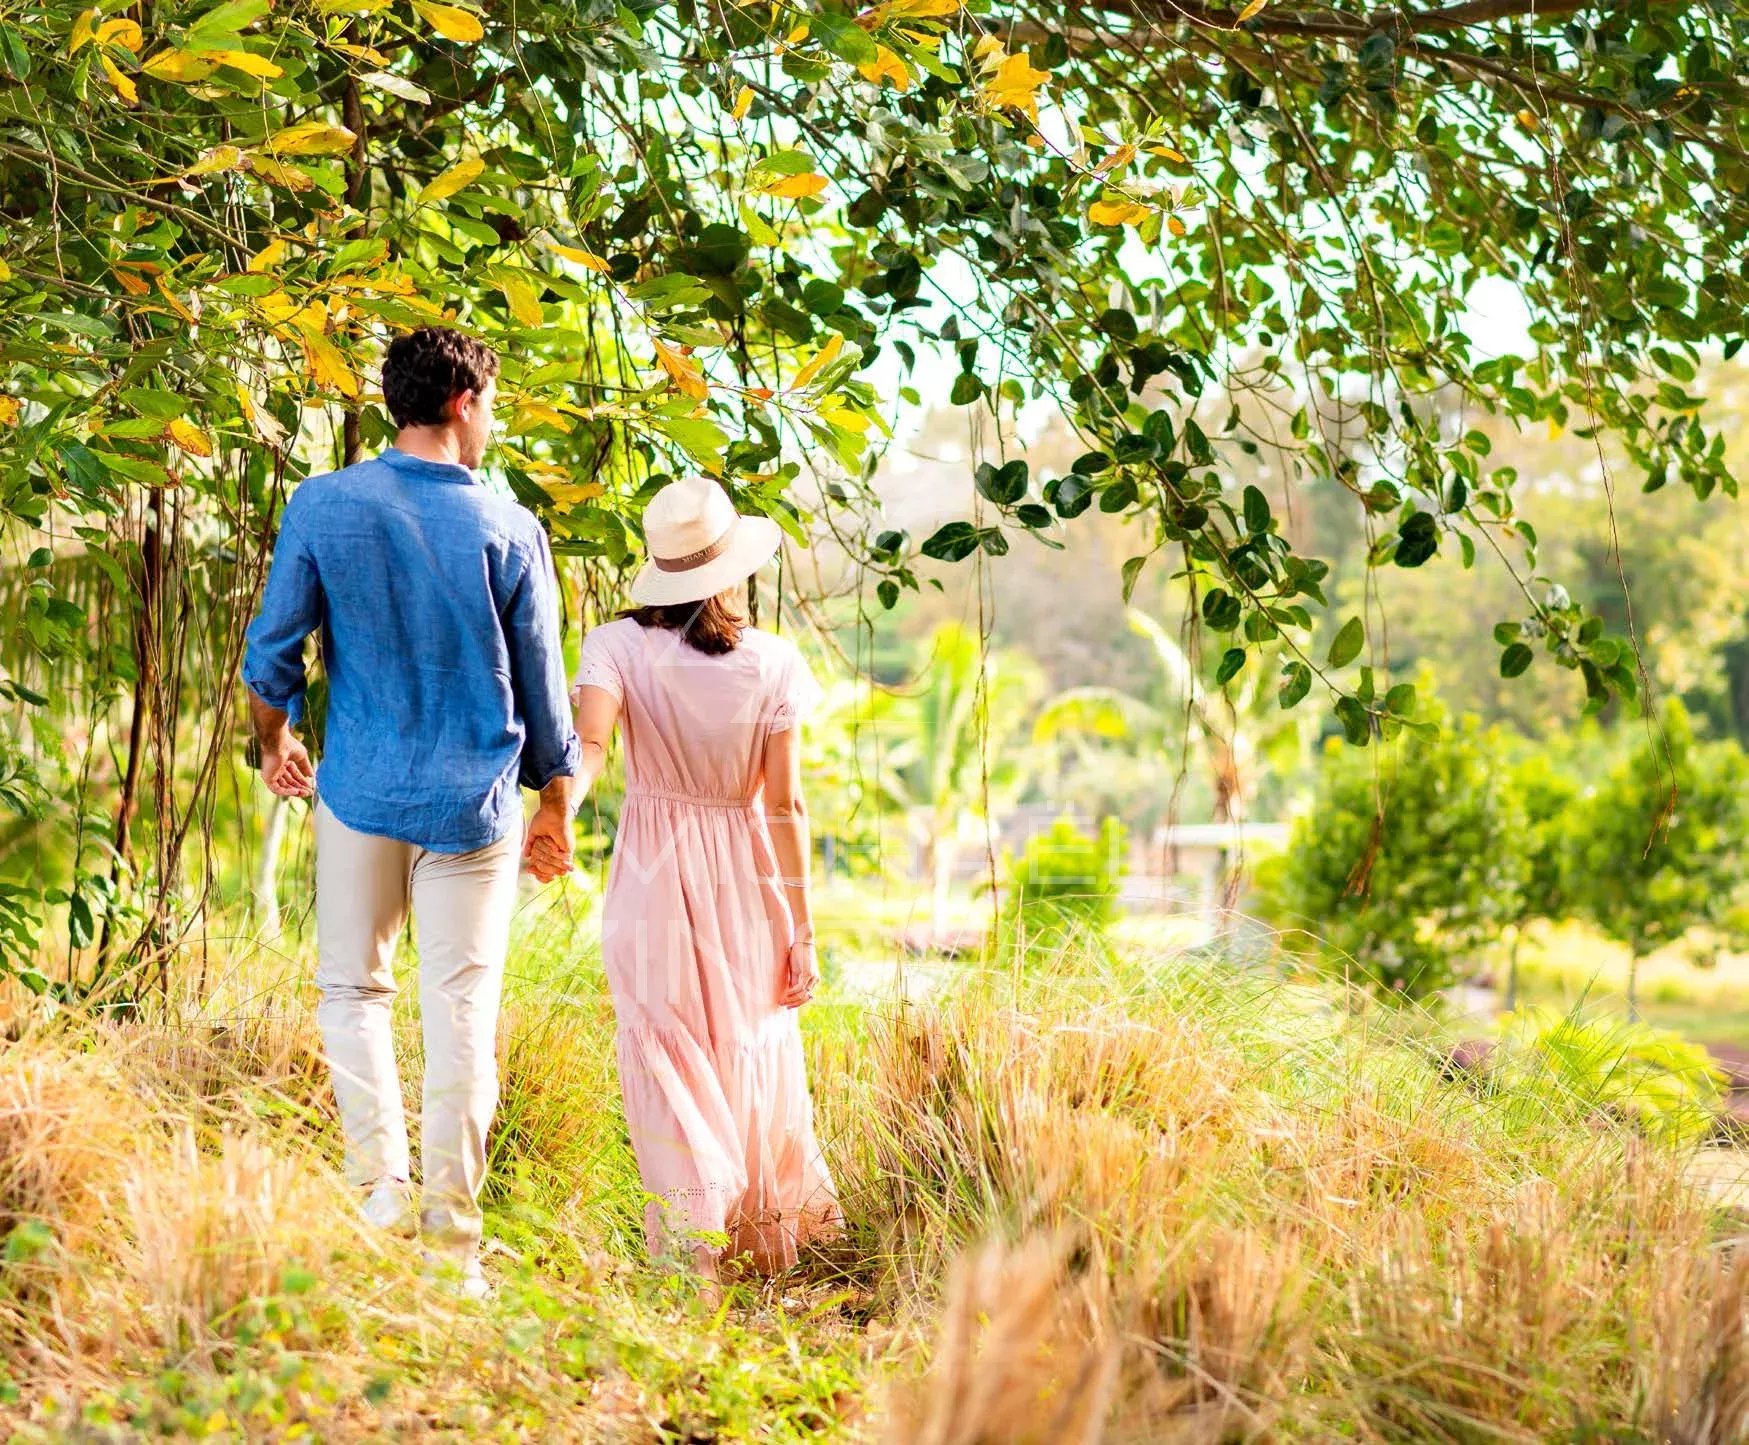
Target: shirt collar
(429, 471)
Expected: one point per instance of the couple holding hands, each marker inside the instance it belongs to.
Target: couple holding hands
(437, 611)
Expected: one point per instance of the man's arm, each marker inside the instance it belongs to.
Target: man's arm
(273, 663)
(549, 749)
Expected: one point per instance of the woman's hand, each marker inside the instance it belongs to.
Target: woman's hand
(802, 974)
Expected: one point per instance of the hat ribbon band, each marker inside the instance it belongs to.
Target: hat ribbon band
(694, 560)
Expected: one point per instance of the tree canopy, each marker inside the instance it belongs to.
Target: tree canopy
(714, 236)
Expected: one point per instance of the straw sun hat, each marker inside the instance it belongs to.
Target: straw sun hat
(699, 544)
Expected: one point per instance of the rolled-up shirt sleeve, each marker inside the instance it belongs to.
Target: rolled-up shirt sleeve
(291, 609)
(537, 671)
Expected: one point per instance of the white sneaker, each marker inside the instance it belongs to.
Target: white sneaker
(458, 1273)
(389, 1207)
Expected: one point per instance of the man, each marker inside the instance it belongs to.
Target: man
(439, 633)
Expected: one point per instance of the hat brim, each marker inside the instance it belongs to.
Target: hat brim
(754, 543)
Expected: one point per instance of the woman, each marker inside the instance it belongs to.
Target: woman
(707, 930)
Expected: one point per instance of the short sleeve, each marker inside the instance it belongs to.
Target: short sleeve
(799, 696)
(597, 667)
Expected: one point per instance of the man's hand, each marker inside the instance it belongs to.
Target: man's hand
(547, 846)
(285, 766)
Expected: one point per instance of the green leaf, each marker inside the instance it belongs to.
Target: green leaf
(1296, 682)
(953, 542)
(1256, 512)
(1348, 643)
(1515, 660)
(1231, 661)
(1220, 609)
(1356, 721)
(1132, 569)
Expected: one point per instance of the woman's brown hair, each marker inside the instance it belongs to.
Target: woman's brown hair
(712, 626)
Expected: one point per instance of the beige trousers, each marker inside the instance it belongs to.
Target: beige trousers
(462, 905)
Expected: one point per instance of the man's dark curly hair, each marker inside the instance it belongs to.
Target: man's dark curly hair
(427, 367)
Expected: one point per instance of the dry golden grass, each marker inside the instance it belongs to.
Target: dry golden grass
(1169, 1206)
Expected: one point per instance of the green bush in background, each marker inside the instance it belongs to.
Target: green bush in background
(1649, 1077)
(1061, 890)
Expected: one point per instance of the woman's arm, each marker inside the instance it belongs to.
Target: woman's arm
(787, 817)
(597, 713)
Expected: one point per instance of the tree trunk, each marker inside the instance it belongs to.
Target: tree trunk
(1634, 987)
(1512, 970)
(266, 888)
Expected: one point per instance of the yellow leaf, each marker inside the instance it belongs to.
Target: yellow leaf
(180, 66)
(820, 360)
(835, 412)
(9, 410)
(743, 103)
(363, 52)
(268, 256)
(458, 177)
(277, 306)
(537, 413)
(1170, 153)
(451, 22)
(264, 422)
(189, 438)
(921, 9)
(522, 298)
(257, 65)
(988, 45)
(5, 271)
(277, 173)
(682, 370)
(579, 255)
(1116, 211)
(124, 87)
(326, 364)
(131, 281)
(82, 32)
(219, 158)
(172, 300)
(568, 494)
(309, 138)
(1174, 225)
(794, 187)
(1250, 10)
(1014, 86)
(1528, 120)
(886, 66)
(1117, 160)
(798, 35)
(120, 31)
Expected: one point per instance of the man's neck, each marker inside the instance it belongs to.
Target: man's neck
(429, 444)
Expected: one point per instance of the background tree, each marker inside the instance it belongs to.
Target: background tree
(1657, 848)
(1545, 795)
(701, 236)
(1410, 859)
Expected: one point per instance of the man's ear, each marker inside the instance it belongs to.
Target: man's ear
(460, 403)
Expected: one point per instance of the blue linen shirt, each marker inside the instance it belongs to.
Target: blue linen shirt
(439, 618)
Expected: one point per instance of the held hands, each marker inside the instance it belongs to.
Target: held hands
(285, 767)
(801, 975)
(547, 845)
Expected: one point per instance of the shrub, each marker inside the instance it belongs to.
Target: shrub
(1061, 889)
(1649, 1077)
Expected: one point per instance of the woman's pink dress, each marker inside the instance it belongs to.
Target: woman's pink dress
(696, 932)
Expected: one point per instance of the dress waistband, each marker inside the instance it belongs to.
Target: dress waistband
(696, 800)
